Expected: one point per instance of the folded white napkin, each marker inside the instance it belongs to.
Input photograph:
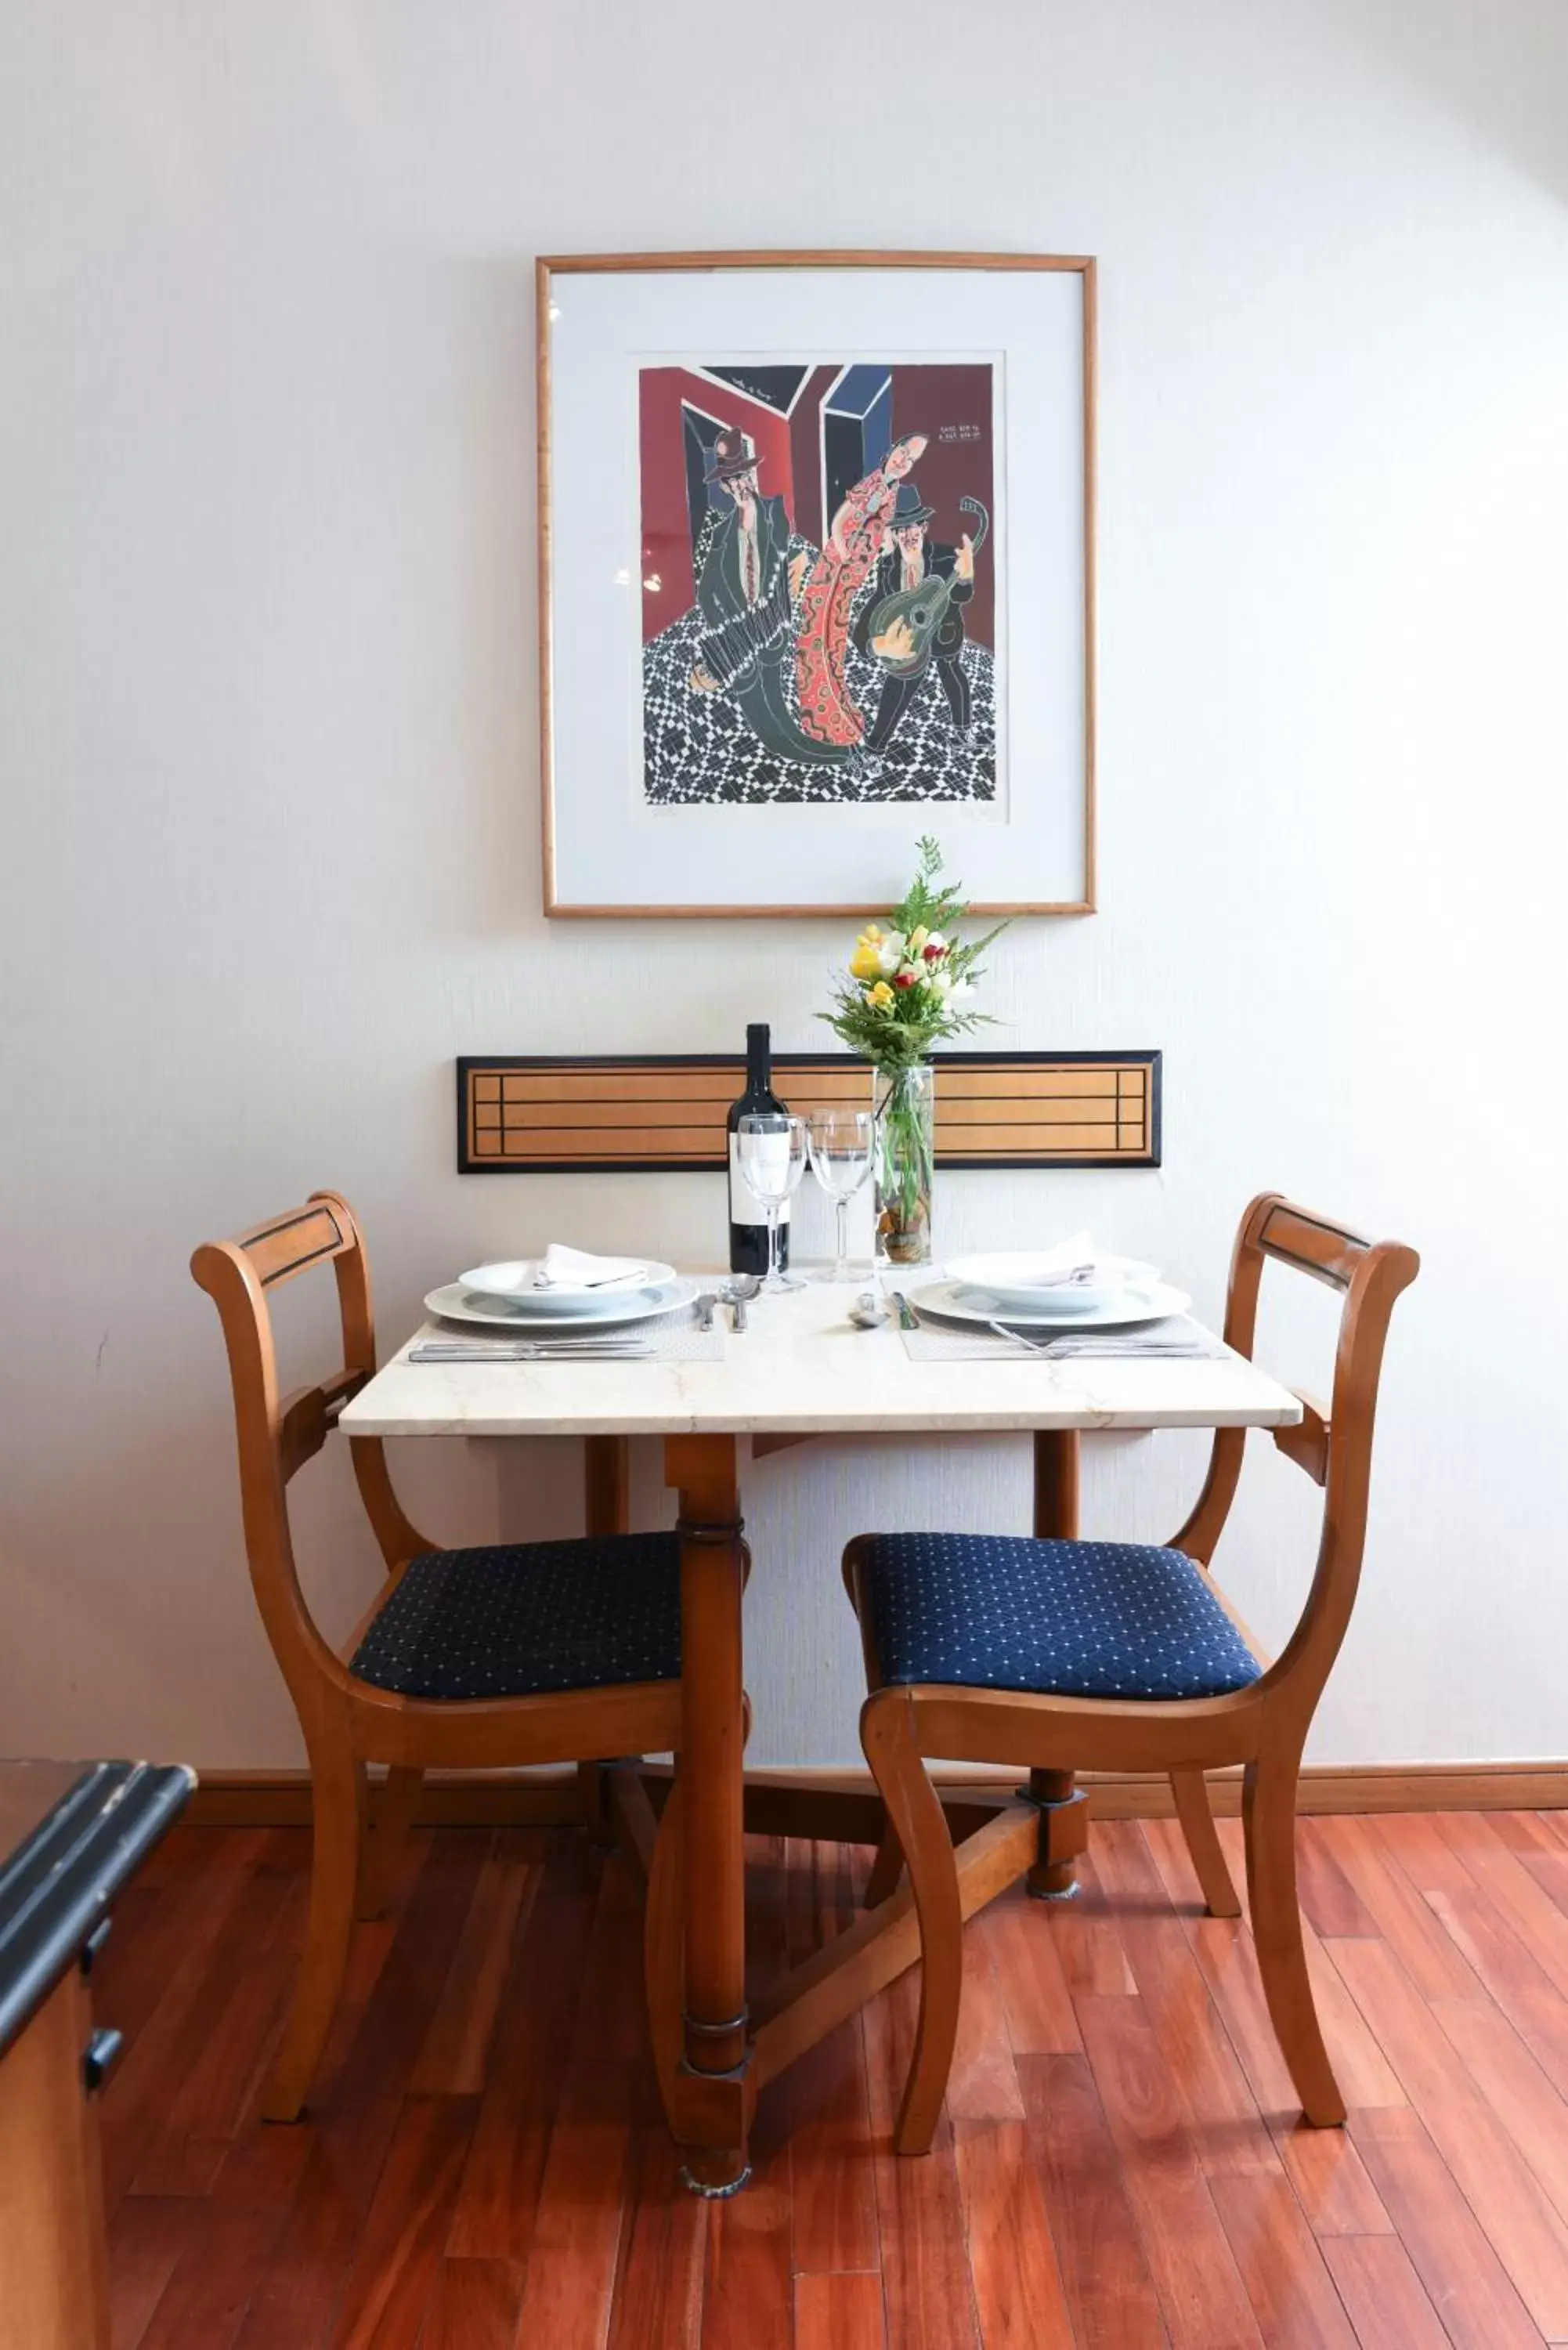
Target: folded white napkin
(570, 1268)
(1076, 1263)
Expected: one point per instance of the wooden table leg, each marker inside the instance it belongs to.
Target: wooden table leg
(712, 2093)
(1064, 1807)
(606, 1483)
(607, 1510)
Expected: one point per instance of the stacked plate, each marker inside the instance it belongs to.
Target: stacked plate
(1032, 1289)
(508, 1296)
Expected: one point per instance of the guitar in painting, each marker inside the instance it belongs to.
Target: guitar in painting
(921, 608)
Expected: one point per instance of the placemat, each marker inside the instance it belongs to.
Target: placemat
(673, 1338)
(1177, 1340)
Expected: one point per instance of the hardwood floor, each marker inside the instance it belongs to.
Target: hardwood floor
(1119, 2164)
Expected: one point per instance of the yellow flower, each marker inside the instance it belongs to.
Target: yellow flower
(917, 938)
(880, 996)
(865, 962)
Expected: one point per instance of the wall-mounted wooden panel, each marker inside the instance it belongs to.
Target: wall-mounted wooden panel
(647, 1113)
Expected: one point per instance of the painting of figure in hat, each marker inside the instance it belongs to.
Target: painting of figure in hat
(820, 602)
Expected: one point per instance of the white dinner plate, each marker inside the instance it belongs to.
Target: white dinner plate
(513, 1282)
(456, 1304)
(1020, 1277)
(958, 1301)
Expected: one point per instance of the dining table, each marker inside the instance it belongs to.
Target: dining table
(802, 1372)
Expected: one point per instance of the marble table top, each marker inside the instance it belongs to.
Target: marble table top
(803, 1369)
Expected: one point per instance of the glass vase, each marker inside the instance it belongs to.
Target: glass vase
(905, 1104)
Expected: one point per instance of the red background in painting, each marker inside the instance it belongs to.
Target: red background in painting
(938, 400)
(665, 522)
(947, 403)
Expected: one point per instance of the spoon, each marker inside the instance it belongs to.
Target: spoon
(735, 1292)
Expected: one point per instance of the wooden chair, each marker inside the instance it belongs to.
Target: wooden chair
(485, 1658)
(1062, 1656)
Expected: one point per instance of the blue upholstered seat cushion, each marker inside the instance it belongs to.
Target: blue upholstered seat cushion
(1063, 1618)
(518, 1619)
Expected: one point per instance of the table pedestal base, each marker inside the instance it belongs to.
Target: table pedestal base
(696, 2186)
(1064, 1810)
(726, 2055)
(712, 2091)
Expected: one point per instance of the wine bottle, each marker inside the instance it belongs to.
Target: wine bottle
(748, 1217)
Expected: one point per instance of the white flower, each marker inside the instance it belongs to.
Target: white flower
(941, 983)
(936, 944)
(890, 951)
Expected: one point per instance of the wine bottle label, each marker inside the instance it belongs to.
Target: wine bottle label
(745, 1208)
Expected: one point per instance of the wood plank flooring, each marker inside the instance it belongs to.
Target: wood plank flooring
(1120, 2165)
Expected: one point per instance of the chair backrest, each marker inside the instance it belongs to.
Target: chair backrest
(1332, 1442)
(276, 1435)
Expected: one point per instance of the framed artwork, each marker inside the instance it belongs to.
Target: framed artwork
(816, 576)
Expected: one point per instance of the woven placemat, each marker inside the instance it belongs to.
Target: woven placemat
(673, 1338)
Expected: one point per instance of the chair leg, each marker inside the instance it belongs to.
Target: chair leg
(631, 1815)
(393, 1816)
(1269, 1813)
(1191, 1791)
(337, 1817)
(593, 1803)
(915, 1816)
(886, 1869)
(663, 1944)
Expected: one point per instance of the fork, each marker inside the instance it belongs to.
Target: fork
(524, 1350)
(1029, 1346)
(1062, 1349)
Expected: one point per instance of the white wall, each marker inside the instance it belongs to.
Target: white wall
(267, 752)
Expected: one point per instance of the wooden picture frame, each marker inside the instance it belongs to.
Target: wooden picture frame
(697, 729)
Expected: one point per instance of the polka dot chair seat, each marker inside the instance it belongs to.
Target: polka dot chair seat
(516, 1619)
(1055, 1618)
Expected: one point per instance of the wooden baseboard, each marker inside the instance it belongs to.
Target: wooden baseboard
(282, 1798)
(1358, 1787)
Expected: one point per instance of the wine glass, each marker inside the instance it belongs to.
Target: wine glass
(770, 1148)
(842, 1144)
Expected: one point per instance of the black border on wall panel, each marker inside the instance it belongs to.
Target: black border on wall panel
(499, 1064)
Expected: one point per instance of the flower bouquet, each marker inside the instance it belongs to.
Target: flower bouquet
(908, 986)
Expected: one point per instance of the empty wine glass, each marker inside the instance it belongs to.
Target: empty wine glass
(770, 1148)
(842, 1145)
